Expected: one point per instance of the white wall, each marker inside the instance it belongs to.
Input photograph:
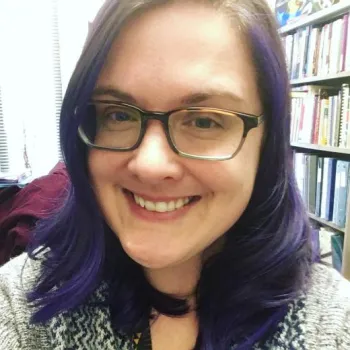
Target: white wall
(26, 73)
(26, 80)
(272, 3)
(74, 17)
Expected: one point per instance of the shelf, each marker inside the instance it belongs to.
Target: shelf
(326, 223)
(317, 79)
(317, 17)
(326, 149)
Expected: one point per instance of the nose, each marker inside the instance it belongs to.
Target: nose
(154, 161)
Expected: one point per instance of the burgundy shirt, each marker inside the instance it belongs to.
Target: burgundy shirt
(21, 208)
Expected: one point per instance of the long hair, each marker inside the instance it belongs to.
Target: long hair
(244, 290)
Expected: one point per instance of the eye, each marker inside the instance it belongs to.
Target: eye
(204, 123)
(118, 116)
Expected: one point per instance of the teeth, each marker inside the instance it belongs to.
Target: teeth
(150, 206)
(179, 203)
(171, 206)
(161, 207)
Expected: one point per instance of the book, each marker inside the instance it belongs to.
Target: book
(289, 51)
(347, 55)
(344, 38)
(336, 120)
(327, 52)
(316, 127)
(298, 36)
(341, 193)
(319, 182)
(311, 52)
(304, 52)
(312, 182)
(344, 123)
(323, 128)
(329, 135)
(337, 244)
(327, 200)
(316, 52)
(335, 46)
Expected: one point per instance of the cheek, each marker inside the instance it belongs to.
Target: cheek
(103, 169)
(97, 164)
(233, 176)
(103, 166)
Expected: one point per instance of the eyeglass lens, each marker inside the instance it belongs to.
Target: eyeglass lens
(203, 132)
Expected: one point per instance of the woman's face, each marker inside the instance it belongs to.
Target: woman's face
(170, 57)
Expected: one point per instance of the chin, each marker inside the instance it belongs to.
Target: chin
(151, 260)
(153, 264)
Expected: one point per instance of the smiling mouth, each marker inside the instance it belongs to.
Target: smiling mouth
(162, 206)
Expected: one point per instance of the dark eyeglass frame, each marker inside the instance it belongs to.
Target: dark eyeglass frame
(250, 121)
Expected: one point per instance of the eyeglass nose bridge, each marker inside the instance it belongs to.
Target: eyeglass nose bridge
(163, 118)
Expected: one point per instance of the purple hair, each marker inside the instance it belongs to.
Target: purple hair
(244, 290)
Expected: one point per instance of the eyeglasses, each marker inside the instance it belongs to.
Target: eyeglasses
(194, 132)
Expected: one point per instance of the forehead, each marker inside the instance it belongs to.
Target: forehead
(178, 49)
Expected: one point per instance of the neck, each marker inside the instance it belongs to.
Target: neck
(179, 280)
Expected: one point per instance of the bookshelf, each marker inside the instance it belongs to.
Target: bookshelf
(318, 17)
(330, 78)
(301, 77)
(326, 223)
(327, 150)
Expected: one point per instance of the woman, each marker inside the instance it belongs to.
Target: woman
(183, 228)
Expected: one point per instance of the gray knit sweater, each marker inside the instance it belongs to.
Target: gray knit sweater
(319, 320)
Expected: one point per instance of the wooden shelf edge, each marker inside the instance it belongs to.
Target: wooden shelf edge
(326, 223)
(316, 17)
(326, 149)
(303, 81)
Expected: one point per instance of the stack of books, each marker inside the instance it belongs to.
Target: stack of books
(323, 183)
(321, 115)
(319, 51)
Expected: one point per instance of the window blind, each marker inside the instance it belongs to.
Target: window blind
(4, 160)
(40, 42)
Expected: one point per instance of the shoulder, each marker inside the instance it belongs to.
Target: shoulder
(17, 277)
(319, 319)
(327, 310)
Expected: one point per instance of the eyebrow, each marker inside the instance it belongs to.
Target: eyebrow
(113, 92)
(186, 100)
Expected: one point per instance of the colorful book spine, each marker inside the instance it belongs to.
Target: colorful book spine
(344, 42)
(327, 201)
(312, 182)
(341, 193)
(319, 182)
(347, 56)
(344, 122)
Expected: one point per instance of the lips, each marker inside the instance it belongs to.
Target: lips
(161, 206)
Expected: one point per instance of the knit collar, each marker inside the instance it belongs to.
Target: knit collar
(89, 327)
